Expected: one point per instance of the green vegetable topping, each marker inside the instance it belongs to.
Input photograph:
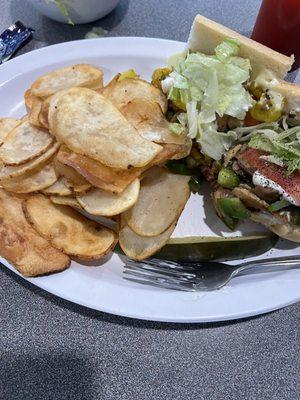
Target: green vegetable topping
(195, 184)
(184, 167)
(278, 205)
(176, 128)
(179, 167)
(227, 178)
(130, 74)
(283, 145)
(233, 208)
(206, 86)
(160, 74)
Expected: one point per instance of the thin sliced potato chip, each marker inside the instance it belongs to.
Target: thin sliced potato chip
(80, 75)
(183, 149)
(28, 99)
(32, 182)
(6, 126)
(141, 247)
(72, 202)
(65, 201)
(34, 112)
(24, 143)
(99, 202)
(12, 171)
(58, 188)
(148, 119)
(162, 198)
(106, 178)
(122, 92)
(21, 245)
(90, 125)
(73, 179)
(43, 115)
(67, 230)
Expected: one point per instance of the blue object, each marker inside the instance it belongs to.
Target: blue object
(12, 39)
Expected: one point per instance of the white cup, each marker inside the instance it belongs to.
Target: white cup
(80, 11)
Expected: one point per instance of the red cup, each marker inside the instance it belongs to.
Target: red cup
(278, 27)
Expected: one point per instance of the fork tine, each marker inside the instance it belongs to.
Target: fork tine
(137, 278)
(161, 274)
(170, 265)
(161, 278)
(160, 269)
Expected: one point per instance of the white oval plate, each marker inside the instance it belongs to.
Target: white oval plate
(102, 288)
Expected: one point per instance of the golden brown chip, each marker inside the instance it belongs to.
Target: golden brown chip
(162, 198)
(80, 75)
(24, 143)
(148, 119)
(6, 126)
(122, 92)
(106, 178)
(141, 247)
(65, 201)
(58, 188)
(28, 98)
(12, 171)
(90, 125)
(100, 202)
(32, 182)
(73, 179)
(21, 245)
(68, 230)
(34, 112)
(43, 115)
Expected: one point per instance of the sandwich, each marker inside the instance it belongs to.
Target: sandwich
(228, 94)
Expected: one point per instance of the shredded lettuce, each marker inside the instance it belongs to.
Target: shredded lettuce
(283, 145)
(227, 49)
(214, 143)
(207, 87)
(176, 128)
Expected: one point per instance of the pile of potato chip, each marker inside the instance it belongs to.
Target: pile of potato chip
(84, 170)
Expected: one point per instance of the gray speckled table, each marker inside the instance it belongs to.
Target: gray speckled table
(52, 349)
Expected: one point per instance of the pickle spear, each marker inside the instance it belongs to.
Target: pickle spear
(196, 248)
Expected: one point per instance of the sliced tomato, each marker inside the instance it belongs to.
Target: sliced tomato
(250, 161)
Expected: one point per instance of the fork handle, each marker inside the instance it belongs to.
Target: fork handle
(285, 262)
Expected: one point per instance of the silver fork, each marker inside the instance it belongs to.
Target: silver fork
(202, 276)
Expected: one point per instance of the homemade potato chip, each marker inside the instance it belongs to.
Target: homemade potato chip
(99, 202)
(107, 178)
(73, 179)
(6, 126)
(90, 125)
(162, 198)
(32, 182)
(65, 201)
(58, 188)
(80, 75)
(24, 143)
(141, 247)
(12, 171)
(44, 111)
(68, 230)
(28, 99)
(34, 111)
(122, 92)
(147, 117)
(21, 245)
